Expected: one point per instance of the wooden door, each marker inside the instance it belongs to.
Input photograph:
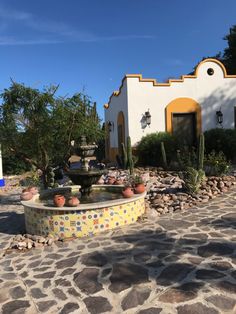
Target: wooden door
(184, 127)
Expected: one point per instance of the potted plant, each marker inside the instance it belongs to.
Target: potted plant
(127, 191)
(139, 186)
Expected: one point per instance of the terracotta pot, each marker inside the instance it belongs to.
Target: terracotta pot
(33, 190)
(59, 200)
(139, 188)
(26, 195)
(127, 192)
(72, 201)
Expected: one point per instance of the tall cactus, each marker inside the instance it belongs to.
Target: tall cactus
(201, 150)
(130, 162)
(50, 177)
(124, 156)
(163, 153)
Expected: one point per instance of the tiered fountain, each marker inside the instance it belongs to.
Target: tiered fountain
(85, 176)
(102, 207)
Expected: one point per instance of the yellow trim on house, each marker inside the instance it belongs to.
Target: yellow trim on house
(183, 105)
(180, 80)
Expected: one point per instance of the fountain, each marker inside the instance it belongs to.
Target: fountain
(85, 176)
(102, 207)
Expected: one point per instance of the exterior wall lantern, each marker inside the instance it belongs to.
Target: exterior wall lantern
(219, 117)
(147, 117)
(110, 125)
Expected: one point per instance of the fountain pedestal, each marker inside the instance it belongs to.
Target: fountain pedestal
(85, 177)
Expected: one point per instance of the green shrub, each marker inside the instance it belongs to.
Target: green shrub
(193, 179)
(216, 164)
(32, 179)
(149, 148)
(13, 165)
(221, 140)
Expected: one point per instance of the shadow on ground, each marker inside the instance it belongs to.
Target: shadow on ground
(12, 222)
(189, 261)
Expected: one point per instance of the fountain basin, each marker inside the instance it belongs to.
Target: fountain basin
(85, 178)
(83, 220)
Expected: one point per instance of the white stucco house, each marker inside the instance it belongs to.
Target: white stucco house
(186, 106)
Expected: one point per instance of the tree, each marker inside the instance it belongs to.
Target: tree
(229, 55)
(37, 127)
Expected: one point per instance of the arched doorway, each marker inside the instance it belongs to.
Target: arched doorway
(183, 119)
(120, 130)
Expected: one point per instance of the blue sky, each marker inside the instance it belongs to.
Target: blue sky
(89, 45)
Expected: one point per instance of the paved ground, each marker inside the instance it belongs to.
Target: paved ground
(182, 263)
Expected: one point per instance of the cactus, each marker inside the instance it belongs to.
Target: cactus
(163, 153)
(201, 149)
(193, 179)
(124, 156)
(130, 162)
(50, 177)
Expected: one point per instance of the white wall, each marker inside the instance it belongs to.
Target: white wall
(117, 104)
(211, 92)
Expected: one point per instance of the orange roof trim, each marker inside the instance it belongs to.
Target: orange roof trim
(180, 80)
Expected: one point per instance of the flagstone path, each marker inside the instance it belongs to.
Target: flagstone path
(182, 263)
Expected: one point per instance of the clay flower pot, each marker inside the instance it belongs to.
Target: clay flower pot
(127, 192)
(59, 200)
(33, 189)
(26, 195)
(139, 188)
(73, 201)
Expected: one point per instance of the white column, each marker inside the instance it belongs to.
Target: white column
(2, 182)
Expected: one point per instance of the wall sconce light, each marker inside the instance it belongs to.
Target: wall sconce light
(219, 117)
(110, 125)
(147, 117)
(146, 120)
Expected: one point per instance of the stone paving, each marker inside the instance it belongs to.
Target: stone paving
(181, 263)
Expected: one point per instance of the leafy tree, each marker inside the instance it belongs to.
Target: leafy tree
(37, 127)
(229, 55)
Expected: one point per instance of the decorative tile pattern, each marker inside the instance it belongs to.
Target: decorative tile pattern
(79, 223)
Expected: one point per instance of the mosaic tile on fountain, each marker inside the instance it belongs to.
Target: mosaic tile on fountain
(79, 223)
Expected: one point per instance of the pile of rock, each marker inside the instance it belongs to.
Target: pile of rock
(12, 184)
(166, 194)
(217, 185)
(28, 241)
(115, 177)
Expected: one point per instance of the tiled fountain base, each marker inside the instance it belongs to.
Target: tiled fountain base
(84, 220)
